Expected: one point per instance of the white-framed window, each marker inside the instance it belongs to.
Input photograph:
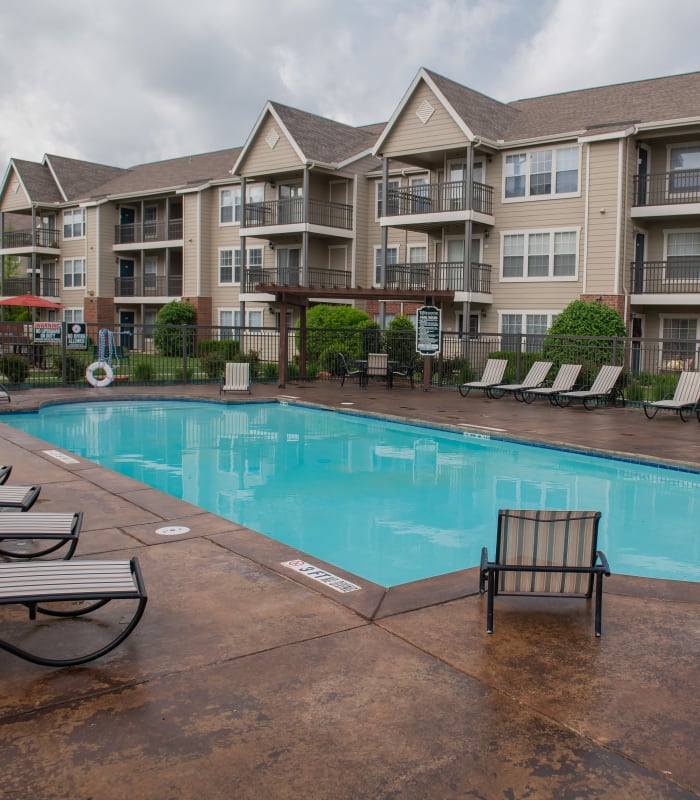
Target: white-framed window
(226, 205)
(73, 223)
(226, 266)
(392, 207)
(536, 174)
(679, 342)
(73, 273)
(255, 317)
(230, 263)
(150, 273)
(392, 257)
(513, 324)
(683, 255)
(73, 315)
(684, 169)
(229, 320)
(539, 255)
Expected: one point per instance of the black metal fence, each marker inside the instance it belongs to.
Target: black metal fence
(163, 354)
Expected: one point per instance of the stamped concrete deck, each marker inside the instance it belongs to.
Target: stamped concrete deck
(245, 680)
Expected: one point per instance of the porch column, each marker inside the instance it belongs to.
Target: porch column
(244, 266)
(283, 351)
(2, 262)
(35, 277)
(305, 234)
(384, 229)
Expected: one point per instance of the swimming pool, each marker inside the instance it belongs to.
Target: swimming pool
(387, 501)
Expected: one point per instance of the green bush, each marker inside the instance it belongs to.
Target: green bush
(270, 370)
(585, 333)
(337, 327)
(228, 349)
(171, 330)
(75, 366)
(214, 364)
(14, 367)
(142, 371)
(527, 359)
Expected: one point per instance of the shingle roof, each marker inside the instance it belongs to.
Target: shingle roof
(77, 178)
(322, 139)
(38, 181)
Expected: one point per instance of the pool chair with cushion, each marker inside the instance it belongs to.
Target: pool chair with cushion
(492, 375)
(38, 533)
(72, 589)
(348, 373)
(5, 471)
(602, 390)
(535, 377)
(545, 554)
(18, 498)
(685, 401)
(564, 381)
(378, 367)
(236, 377)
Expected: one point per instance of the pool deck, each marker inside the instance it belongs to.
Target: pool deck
(247, 680)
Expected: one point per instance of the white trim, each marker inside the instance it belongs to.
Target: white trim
(553, 195)
(586, 222)
(550, 278)
(618, 210)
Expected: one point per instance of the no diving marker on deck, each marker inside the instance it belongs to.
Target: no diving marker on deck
(59, 456)
(321, 575)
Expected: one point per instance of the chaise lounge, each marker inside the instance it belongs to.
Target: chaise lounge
(236, 377)
(46, 532)
(18, 498)
(72, 589)
(492, 375)
(545, 554)
(685, 401)
(603, 389)
(564, 381)
(535, 377)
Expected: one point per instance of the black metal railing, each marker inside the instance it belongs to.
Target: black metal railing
(138, 233)
(439, 275)
(291, 212)
(675, 276)
(437, 198)
(46, 287)
(319, 277)
(39, 237)
(148, 286)
(667, 188)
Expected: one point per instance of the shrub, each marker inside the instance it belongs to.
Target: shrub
(142, 371)
(570, 340)
(171, 331)
(75, 367)
(214, 364)
(270, 370)
(336, 327)
(14, 367)
(228, 349)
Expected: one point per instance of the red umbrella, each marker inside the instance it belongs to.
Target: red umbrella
(29, 301)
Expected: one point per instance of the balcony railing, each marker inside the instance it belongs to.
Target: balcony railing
(48, 287)
(291, 212)
(667, 188)
(39, 237)
(438, 275)
(437, 198)
(319, 277)
(677, 276)
(148, 286)
(137, 233)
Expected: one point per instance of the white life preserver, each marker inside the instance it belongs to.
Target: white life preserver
(99, 382)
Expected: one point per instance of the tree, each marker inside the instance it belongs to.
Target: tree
(585, 333)
(323, 341)
(168, 333)
(400, 340)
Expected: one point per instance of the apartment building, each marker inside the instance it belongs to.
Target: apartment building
(499, 213)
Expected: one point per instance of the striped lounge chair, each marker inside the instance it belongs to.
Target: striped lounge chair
(18, 498)
(685, 401)
(493, 374)
(45, 532)
(72, 589)
(545, 554)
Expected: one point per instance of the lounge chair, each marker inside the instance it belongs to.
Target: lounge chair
(4, 393)
(545, 554)
(18, 498)
(685, 401)
(378, 367)
(5, 471)
(52, 530)
(564, 381)
(350, 373)
(236, 377)
(602, 390)
(535, 377)
(402, 371)
(78, 587)
(492, 375)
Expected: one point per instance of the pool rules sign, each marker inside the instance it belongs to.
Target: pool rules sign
(428, 331)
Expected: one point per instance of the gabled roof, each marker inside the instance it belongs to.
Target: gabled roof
(314, 138)
(37, 181)
(74, 178)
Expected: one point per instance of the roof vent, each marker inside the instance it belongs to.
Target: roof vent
(424, 111)
(272, 138)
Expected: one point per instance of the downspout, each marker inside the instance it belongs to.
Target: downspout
(618, 235)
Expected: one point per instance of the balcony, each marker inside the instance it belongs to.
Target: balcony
(667, 193)
(438, 276)
(148, 232)
(148, 286)
(319, 278)
(48, 287)
(677, 277)
(272, 213)
(30, 239)
(438, 198)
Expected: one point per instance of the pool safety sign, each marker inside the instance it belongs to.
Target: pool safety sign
(47, 332)
(321, 575)
(428, 331)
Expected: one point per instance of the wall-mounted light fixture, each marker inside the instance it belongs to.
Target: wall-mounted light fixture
(487, 233)
(271, 245)
(483, 312)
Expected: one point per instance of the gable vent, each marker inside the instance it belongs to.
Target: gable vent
(424, 111)
(272, 138)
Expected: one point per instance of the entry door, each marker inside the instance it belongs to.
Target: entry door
(288, 264)
(642, 170)
(639, 248)
(126, 277)
(637, 333)
(126, 330)
(127, 224)
(291, 206)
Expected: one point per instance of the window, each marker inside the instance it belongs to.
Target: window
(73, 315)
(392, 207)
(679, 342)
(534, 324)
(73, 273)
(540, 255)
(684, 169)
(229, 319)
(150, 274)
(73, 223)
(392, 257)
(230, 264)
(541, 173)
(683, 256)
(226, 266)
(255, 318)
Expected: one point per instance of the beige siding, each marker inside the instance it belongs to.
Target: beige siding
(410, 135)
(262, 159)
(14, 196)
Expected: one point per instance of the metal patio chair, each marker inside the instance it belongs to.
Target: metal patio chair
(685, 401)
(18, 498)
(46, 532)
(603, 389)
(535, 377)
(493, 374)
(545, 554)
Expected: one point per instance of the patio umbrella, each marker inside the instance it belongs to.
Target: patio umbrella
(29, 301)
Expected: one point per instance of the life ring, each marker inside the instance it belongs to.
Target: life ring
(99, 382)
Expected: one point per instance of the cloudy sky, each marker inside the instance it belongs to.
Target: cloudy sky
(142, 80)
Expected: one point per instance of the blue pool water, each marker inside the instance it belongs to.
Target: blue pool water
(389, 502)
